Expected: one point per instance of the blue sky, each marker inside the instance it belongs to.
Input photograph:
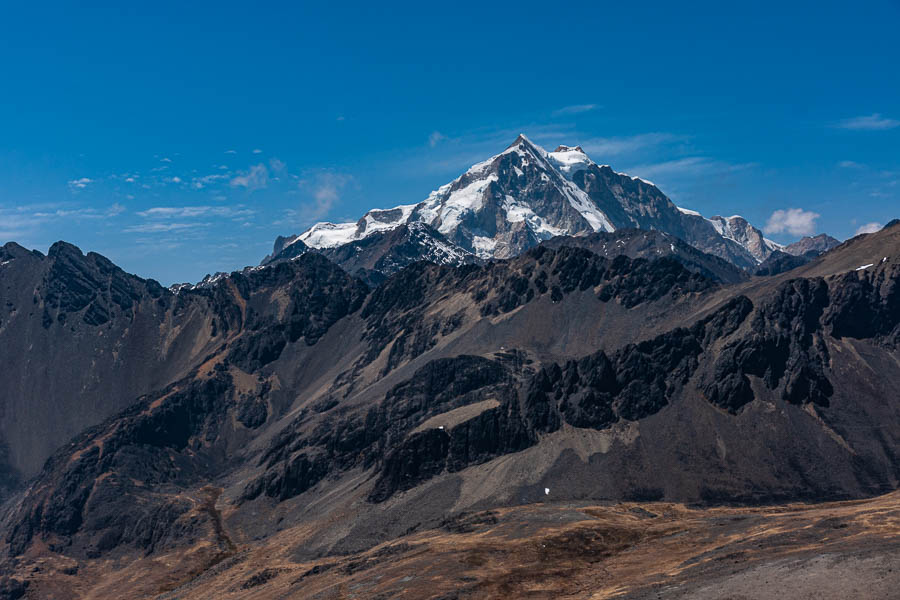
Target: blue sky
(180, 140)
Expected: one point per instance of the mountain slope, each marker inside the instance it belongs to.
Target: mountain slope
(79, 340)
(342, 417)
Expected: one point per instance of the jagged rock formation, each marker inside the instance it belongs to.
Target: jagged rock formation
(640, 243)
(816, 244)
(381, 254)
(782, 262)
(79, 340)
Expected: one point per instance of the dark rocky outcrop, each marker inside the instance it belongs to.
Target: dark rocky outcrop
(781, 262)
(784, 348)
(866, 306)
(652, 244)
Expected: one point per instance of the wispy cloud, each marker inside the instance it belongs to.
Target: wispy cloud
(435, 138)
(257, 151)
(849, 164)
(327, 192)
(869, 228)
(873, 122)
(690, 166)
(80, 184)
(603, 147)
(277, 166)
(795, 221)
(163, 227)
(325, 189)
(182, 212)
(21, 222)
(203, 181)
(575, 109)
(80, 213)
(254, 179)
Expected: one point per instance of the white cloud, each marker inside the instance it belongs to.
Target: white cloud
(277, 166)
(257, 151)
(183, 212)
(326, 192)
(163, 227)
(575, 109)
(175, 179)
(80, 213)
(256, 178)
(795, 221)
(231, 152)
(869, 228)
(435, 138)
(201, 182)
(80, 183)
(326, 189)
(690, 165)
(849, 164)
(165, 159)
(873, 122)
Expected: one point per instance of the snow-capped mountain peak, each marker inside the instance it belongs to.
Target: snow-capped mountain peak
(515, 199)
(738, 229)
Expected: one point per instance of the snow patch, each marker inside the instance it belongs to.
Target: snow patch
(329, 235)
(688, 211)
(484, 246)
(863, 267)
(569, 161)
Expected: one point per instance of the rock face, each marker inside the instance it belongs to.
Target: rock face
(817, 244)
(511, 202)
(82, 339)
(749, 237)
(381, 254)
(79, 340)
(781, 262)
(651, 244)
